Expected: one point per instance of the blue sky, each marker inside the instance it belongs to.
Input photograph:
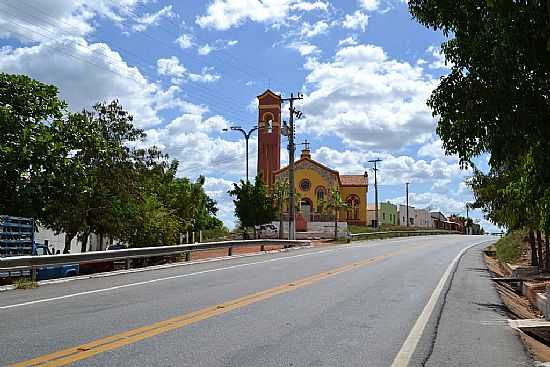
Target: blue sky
(188, 69)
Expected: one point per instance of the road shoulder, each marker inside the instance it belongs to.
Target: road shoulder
(469, 327)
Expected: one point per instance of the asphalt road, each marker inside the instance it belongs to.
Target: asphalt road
(349, 305)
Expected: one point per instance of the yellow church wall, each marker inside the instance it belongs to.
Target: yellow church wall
(361, 192)
(316, 180)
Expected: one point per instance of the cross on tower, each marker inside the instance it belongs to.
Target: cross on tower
(306, 144)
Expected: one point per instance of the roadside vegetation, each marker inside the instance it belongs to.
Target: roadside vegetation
(494, 106)
(25, 283)
(92, 172)
(510, 247)
(383, 228)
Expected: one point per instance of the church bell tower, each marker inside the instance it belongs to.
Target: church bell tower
(269, 136)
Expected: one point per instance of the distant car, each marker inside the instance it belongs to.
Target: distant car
(117, 246)
(267, 231)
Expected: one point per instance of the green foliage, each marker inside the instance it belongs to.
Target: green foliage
(509, 248)
(85, 172)
(29, 149)
(253, 205)
(496, 100)
(335, 204)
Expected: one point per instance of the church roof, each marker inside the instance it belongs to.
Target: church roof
(270, 93)
(354, 180)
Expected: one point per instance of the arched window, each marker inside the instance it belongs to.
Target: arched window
(268, 120)
(353, 209)
(320, 193)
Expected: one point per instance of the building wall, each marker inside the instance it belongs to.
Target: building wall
(316, 181)
(387, 213)
(402, 214)
(422, 218)
(361, 193)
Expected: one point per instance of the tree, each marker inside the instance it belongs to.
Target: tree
(253, 205)
(280, 198)
(496, 101)
(336, 203)
(29, 151)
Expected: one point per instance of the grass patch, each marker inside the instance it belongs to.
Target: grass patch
(509, 248)
(25, 283)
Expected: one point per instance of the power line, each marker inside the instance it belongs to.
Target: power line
(144, 63)
(206, 98)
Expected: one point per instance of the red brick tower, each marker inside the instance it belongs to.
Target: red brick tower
(269, 139)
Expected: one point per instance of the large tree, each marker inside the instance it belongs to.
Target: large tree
(496, 100)
(29, 151)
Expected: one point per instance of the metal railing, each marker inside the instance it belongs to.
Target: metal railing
(21, 263)
(367, 235)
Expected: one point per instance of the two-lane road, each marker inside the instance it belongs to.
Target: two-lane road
(350, 305)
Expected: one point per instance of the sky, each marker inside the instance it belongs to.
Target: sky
(188, 69)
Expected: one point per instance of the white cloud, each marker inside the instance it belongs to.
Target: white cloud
(185, 41)
(311, 30)
(152, 19)
(434, 202)
(195, 141)
(35, 21)
(173, 68)
(86, 73)
(206, 76)
(438, 59)
(368, 100)
(217, 189)
(394, 170)
(357, 20)
(349, 41)
(370, 5)
(224, 14)
(216, 46)
(304, 48)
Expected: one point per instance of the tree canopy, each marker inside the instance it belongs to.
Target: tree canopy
(91, 171)
(253, 204)
(496, 100)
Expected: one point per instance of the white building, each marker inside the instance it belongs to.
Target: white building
(402, 215)
(422, 218)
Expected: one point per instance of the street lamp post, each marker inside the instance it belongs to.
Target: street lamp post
(246, 138)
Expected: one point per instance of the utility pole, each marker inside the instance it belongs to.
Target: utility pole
(246, 138)
(407, 195)
(376, 191)
(467, 226)
(291, 150)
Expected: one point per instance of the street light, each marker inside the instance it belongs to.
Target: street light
(246, 138)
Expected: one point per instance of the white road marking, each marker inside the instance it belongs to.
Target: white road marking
(409, 346)
(102, 290)
(108, 289)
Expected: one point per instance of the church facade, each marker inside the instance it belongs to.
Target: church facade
(313, 180)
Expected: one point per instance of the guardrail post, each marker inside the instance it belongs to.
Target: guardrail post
(262, 248)
(128, 263)
(188, 256)
(230, 251)
(34, 272)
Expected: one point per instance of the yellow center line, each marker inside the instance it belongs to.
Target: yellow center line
(102, 345)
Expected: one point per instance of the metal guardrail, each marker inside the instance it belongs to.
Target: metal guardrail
(366, 235)
(18, 263)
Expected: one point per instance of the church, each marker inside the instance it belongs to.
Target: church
(313, 180)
